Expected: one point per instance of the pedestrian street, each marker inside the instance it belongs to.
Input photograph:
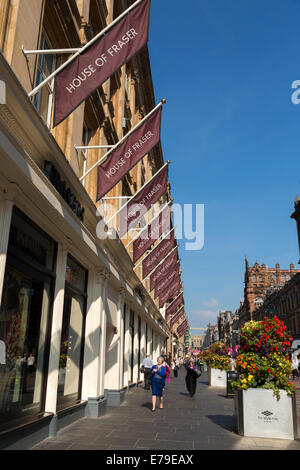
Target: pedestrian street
(203, 422)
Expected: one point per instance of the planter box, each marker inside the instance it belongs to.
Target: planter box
(217, 378)
(259, 414)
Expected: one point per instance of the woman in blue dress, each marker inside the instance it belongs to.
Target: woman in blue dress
(158, 382)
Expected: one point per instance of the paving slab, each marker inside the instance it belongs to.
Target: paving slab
(203, 422)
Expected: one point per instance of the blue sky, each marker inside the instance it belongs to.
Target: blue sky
(232, 134)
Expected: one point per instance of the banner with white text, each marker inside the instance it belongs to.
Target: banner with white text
(158, 254)
(165, 282)
(177, 316)
(163, 270)
(98, 62)
(161, 224)
(171, 309)
(169, 292)
(125, 157)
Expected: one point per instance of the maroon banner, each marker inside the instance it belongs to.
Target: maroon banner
(158, 254)
(135, 147)
(182, 331)
(165, 282)
(171, 291)
(163, 270)
(161, 224)
(142, 201)
(182, 328)
(177, 316)
(172, 307)
(100, 60)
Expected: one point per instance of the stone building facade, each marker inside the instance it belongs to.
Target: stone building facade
(258, 281)
(283, 302)
(196, 341)
(228, 328)
(74, 336)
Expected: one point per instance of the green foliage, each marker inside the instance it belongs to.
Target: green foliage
(263, 361)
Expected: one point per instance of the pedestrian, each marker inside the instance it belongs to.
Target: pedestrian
(191, 378)
(175, 369)
(295, 367)
(168, 371)
(158, 382)
(31, 364)
(147, 366)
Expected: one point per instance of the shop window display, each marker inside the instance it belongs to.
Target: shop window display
(70, 363)
(24, 320)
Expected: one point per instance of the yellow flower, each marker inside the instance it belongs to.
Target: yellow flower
(244, 381)
(250, 377)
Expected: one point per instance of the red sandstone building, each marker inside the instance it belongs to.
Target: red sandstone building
(260, 281)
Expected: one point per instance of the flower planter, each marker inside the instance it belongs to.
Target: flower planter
(260, 414)
(217, 378)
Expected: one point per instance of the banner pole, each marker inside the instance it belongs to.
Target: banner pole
(137, 265)
(126, 204)
(88, 44)
(113, 148)
(155, 217)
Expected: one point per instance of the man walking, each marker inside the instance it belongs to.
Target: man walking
(147, 366)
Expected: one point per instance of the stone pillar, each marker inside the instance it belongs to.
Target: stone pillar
(91, 380)
(135, 349)
(126, 347)
(104, 275)
(56, 327)
(143, 341)
(121, 336)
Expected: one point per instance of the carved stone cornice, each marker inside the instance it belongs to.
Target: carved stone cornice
(102, 276)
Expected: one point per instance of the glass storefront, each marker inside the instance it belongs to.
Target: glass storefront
(25, 320)
(72, 337)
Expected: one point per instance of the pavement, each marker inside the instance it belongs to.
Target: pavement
(205, 422)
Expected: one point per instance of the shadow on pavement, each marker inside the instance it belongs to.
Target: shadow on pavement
(147, 405)
(225, 422)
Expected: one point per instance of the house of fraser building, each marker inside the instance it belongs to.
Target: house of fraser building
(77, 318)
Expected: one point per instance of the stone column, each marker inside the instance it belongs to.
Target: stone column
(143, 341)
(135, 349)
(114, 390)
(126, 347)
(104, 275)
(91, 380)
(56, 327)
(121, 336)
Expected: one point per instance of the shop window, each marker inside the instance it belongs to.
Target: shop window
(84, 153)
(72, 336)
(43, 100)
(25, 321)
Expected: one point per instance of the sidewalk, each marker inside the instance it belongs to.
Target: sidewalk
(205, 422)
